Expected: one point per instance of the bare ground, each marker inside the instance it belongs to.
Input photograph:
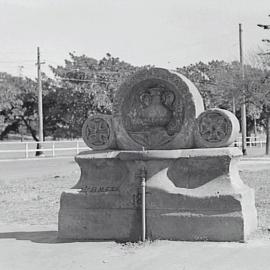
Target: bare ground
(30, 190)
(260, 182)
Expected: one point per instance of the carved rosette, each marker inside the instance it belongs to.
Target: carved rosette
(156, 109)
(97, 132)
(216, 128)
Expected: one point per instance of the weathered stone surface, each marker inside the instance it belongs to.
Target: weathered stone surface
(97, 132)
(156, 109)
(216, 128)
(192, 194)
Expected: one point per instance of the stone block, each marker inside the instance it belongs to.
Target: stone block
(191, 194)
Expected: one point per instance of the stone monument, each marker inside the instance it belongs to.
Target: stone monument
(193, 189)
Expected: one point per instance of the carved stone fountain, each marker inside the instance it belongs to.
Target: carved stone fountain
(193, 188)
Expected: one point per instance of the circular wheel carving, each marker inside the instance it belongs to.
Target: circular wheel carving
(97, 132)
(216, 128)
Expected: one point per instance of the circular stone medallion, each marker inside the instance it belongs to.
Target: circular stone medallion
(156, 109)
(216, 128)
(97, 132)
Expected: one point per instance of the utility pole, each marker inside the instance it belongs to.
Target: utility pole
(40, 109)
(243, 105)
(234, 112)
(267, 111)
(21, 124)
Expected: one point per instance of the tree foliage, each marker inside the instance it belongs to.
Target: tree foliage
(219, 82)
(83, 86)
(18, 105)
(97, 78)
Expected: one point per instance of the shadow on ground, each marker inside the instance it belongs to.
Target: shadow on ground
(47, 237)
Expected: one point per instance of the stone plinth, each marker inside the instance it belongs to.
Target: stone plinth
(191, 194)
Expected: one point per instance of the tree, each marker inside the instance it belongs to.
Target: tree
(65, 111)
(99, 78)
(200, 75)
(84, 86)
(16, 104)
(266, 105)
(219, 82)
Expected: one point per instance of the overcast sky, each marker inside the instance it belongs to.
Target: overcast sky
(165, 33)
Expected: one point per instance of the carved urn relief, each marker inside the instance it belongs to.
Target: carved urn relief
(155, 109)
(154, 112)
(150, 116)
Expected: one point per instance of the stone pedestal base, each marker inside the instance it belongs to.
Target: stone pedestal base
(193, 194)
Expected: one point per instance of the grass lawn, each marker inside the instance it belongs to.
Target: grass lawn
(30, 191)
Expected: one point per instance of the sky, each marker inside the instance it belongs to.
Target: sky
(164, 33)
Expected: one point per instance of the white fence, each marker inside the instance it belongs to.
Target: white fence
(251, 142)
(28, 149)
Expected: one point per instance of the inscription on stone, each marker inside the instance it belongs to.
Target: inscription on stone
(137, 198)
(99, 189)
